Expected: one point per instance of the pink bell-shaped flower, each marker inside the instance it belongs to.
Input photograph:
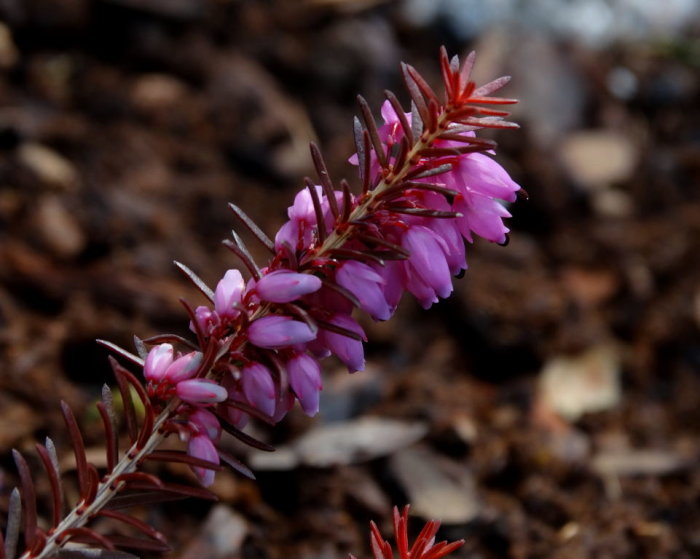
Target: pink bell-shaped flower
(305, 379)
(201, 446)
(200, 391)
(285, 286)
(259, 387)
(158, 360)
(274, 332)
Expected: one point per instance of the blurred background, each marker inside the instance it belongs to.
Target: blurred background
(549, 409)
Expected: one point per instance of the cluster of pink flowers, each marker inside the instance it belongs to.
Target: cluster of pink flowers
(260, 341)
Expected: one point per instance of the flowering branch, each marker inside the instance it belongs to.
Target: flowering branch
(427, 184)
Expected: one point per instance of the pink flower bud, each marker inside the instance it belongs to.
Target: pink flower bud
(284, 286)
(305, 379)
(348, 350)
(184, 367)
(158, 360)
(200, 391)
(427, 261)
(259, 388)
(274, 332)
(206, 423)
(228, 294)
(205, 318)
(201, 446)
(367, 285)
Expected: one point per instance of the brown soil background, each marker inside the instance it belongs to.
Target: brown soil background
(125, 128)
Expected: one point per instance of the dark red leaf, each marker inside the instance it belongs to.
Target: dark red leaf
(28, 498)
(342, 331)
(415, 93)
(245, 438)
(86, 535)
(136, 523)
(182, 458)
(371, 127)
(196, 281)
(54, 482)
(137, 543)
(78, 446)
(398, 109)
(320, 220)
(111, 443)
(252, 227)
(237, 465)
(325, 178)
(243, 255)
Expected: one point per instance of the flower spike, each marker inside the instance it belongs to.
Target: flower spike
(427, 186)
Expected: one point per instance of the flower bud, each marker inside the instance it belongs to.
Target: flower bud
(367, 285)
(201, 446)
(228, 294)
(200, 391)
(274, 332)
(305, 379)
(206, 423)
(158, 360)
(184, 367)
(348, 350)
(259, 388)
(284, 286)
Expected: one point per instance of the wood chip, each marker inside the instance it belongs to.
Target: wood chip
(436, 487)
(347, 442)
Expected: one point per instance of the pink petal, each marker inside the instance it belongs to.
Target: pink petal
(274, 332)
(305, 379)
(285, 286)
(158, 360)
(200, 391)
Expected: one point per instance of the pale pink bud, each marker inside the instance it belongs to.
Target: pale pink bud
(228, 294)
(259, 388)
(158, 360)
(205, 319)
(184, 367)
(284, 286)
(305, 379)
(273, 332)
(200, 391)
(201, 446)
(206, 423)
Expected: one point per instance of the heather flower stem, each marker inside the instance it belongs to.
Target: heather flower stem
(108, 487)
(336, 239)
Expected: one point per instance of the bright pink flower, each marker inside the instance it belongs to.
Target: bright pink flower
(285, 286)
(201, 446)
(365, 283)
(305, 379)
(427, 263)
(184, 367)
(228, 294)
(348, 350)
(200, 391)
(482, 215)
(274, 332)
(480, 173)
(259, 387)
(158, 360)
(299, 230)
